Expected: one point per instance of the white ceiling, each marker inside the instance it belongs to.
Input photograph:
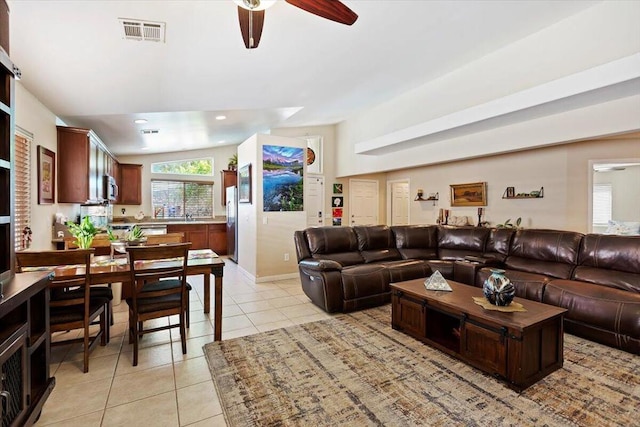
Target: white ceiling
(306, 70)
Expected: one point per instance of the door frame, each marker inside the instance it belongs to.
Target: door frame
(351, 202)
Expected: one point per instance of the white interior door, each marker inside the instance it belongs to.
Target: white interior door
(399, 203)
(363, 201)
(314, 200)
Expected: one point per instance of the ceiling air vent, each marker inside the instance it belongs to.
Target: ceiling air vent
(135, 29)
(149, 131)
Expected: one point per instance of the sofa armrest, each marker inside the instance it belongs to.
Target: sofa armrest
(319, 265)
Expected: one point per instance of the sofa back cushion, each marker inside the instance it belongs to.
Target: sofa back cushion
(416, 241)
(549, 252)
(612, 261)
(456, 243)
(376, 243)
(498, 243)
(335, 243)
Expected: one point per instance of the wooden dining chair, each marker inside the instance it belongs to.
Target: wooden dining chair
(163, 239)
(159, 289)
(102, 245)
(71, 305)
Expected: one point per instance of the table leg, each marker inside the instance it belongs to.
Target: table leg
(207, 292)
(217, 336)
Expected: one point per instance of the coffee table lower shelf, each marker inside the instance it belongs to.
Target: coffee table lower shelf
(518, 348)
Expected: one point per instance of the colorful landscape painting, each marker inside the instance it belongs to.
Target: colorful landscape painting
(282, 184)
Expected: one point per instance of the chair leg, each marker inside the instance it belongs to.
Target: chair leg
(104, 328)
(183, 334)
(187, 316)
(86, 348)
(135, 342)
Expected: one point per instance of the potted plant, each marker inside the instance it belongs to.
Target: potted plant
(233, 162)
(135, 236)
(509, 224)
(83, 232)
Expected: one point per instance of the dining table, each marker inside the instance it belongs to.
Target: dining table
(108, 269)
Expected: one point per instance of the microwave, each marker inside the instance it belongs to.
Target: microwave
(110, 189)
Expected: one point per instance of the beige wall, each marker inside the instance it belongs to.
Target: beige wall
(35, 118)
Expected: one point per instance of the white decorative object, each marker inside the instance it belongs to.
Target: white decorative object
(437, 283)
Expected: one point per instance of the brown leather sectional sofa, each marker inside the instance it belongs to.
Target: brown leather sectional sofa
(595, 277)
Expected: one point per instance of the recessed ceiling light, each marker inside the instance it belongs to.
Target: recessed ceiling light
(140, 121)
(221, 117)
(221, 141)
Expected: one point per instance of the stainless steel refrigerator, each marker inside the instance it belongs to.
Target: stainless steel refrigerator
(232, 219)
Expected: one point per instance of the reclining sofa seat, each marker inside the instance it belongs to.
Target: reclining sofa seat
(534, 258)
(350, 268)
(603, 295)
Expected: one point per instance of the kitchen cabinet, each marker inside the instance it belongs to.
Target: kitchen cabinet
(129, 184)
(229, 179)
(24, 349)
(203, 236)
(4, 26)
(82, 162)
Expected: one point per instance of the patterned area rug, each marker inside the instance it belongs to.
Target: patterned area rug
(355, 370)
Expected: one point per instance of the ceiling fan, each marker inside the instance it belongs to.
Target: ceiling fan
(251, 15)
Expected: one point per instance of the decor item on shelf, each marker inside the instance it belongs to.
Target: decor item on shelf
(432, 197)
(474, 194)
(510, 193)
(251, 15)
(84, 232)
(498, 289)
(420, 194)
(480, 211)
(446, 216)
(135, 236)
(508, 224)
(233, 162)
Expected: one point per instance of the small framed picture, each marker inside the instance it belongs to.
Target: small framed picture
(337, 188)
(337, 212)
(337, 201)
(511, 191)
(337, 221)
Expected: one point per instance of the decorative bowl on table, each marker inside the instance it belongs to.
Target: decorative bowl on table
(498, 289)
(136, 242)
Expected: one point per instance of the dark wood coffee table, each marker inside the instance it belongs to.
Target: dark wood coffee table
(519, 348)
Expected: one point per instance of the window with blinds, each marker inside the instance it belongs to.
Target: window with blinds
(602, 201)
(22, 202)
(181, 199)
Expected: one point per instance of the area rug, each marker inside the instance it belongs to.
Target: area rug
(355, 370)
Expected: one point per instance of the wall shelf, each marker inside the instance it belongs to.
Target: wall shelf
(513, 195)
(432, 198)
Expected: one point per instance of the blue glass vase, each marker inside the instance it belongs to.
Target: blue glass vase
(498, 289)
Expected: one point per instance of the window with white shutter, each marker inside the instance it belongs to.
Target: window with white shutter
(22, 201)
(181, 199)
(602, 199)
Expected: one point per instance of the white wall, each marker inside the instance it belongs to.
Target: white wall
(264, 237)
(34, 117)
(599, 35)
(220, 156)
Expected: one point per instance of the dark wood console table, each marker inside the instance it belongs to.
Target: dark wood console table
(24, 348)
(520, 348)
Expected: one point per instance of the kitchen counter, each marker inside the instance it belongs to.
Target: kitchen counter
(159, 222)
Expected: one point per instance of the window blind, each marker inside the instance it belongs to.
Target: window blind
(22, 201)
(181, 199)
(602, 200)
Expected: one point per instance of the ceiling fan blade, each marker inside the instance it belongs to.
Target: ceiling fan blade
(251, 22)
(329, 9)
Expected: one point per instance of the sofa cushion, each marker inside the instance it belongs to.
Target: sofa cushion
(548, 252)
(444, 267)
(416, 242)
(334, 243)
(612, 261)
(498, 243)
(360, 281)
(603, 307)
(376, 243)
(456, 243)
(402, 270)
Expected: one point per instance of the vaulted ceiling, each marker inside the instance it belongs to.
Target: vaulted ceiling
(306, 71)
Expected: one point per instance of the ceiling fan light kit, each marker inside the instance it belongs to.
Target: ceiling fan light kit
(251, 15)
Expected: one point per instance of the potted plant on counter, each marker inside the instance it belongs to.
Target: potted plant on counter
(83, 232)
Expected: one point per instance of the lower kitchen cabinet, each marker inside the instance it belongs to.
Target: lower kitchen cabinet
(203, 236)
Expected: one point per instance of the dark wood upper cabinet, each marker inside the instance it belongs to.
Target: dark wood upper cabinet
(129, 184)
(74, 149)
(229, 179)
(4, 26)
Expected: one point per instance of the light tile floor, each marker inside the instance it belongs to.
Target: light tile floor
(167, 388)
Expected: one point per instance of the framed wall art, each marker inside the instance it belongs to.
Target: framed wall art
(474, 194)
(244, 184)
(46, 176)
(282, 178)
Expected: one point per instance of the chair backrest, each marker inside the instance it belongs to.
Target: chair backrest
(152, 263)
(162, 239)
(65, 277)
